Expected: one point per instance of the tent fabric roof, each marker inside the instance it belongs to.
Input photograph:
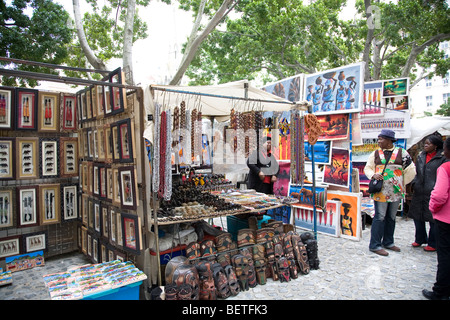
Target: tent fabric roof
(218, 100)
(422, 127)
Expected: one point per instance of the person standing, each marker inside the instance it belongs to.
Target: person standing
(263, 168)
(427, 164)
(400, 170)
(440, 209)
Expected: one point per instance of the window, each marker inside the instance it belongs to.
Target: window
(428, 82)
(446, 96)
(429, 101)
(446, 79)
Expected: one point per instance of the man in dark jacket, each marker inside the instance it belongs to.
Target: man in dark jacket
(427, 163)
(263, 168)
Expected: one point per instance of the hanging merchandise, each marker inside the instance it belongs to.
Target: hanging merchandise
(297, 149)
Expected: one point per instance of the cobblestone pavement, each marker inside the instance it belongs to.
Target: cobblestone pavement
(348, 271)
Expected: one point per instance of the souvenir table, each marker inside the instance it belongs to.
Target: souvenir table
(109, 280)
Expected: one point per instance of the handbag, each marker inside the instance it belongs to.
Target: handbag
(376, 185)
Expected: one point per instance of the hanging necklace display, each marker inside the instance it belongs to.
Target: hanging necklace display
(168, 161)
(156, 148)
(297, 149)
(193, 121)
(162, 151)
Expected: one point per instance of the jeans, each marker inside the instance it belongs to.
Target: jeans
(421, 233)
(383, 225)
(442, 284)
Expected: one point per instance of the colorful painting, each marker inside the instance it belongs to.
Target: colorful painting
(361, 153)
(327, 222)
(337, 172)
(25, 261)
(393, 120)
(322, 150)
(281, 186)
(373, 103)
(350, 215)
(334, 127)
(397, 103)
(396, 87)
(284, 136)
(289, 88)
(336, 90)
(360, 167)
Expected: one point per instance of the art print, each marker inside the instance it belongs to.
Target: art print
(50, 207)
(115, 143)
(337, 172)
(69, 113)
(117, 95)
(85, 209)
(26, 109)
(396, 87)
(84, 239)
(362, 176)
(96, 180)
(99, 97)
(289, 88)
(322, 151)
(373, 101)
(49, 157)
(81, 98)
(305, 196)
(69, 201)
(105, 221)
(27, 206)
(103, 186)
(338, 90)
(281, 186)
(28, 164)
(9, 246)
(7, 159)
(48, 111)
(350, 219)
(128, 190)
(25, 261)
(334, 127)
(399, 122)
(35, 242)
(397, 103)
(7, 104)
(112, 226)
(7, 199)
(69, 157)
(94, 102)
(327, 221)
(97, 217)
(131, 233)
(125, 140)
(361, 153)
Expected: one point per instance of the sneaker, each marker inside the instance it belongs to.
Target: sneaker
(430, 249)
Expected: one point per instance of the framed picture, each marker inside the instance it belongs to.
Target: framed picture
(68, 157)
(128, 190)
(109, 183)
(337, 172)
(7, 103)
(69, 202)
(119, 223)
(7, 159)
(94, 101)
(88, 97)
(112, 226)
(48, 112)
(84, 232)
(89, 244)
(90, 180)
(115, 186)
(28, 151)
(26, 109)
(131, 233)
(48, 157)
(7, 200)
(50, 207)
(96, 180)
(115, 142)
(27, 206)
(117, 95)
(97, 217)
(85, 177)
(85, 209)
(35, 242)
(101, 100)
(10, 246)
(91, 214)
(125, 142)
(107, 95)
(81, 104)
(103, 185)
(69, 113)
(101, 145)
(108, 143)
(350, 221)
(105, 221)
(396, 87)
(95, 249)
(90, 144)
(95, 143)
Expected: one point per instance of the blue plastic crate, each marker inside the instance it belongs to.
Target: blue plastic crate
(235, 224)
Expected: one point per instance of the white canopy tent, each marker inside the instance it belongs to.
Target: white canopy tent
(422, 127)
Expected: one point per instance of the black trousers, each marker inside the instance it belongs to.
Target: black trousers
(442, 284)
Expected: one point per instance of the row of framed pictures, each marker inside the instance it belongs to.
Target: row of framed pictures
(23, 244)
(121, 230)
(112, 142)
(114, 184)
(98, 101)
(30, 206)
(34, 110)
(38, 158)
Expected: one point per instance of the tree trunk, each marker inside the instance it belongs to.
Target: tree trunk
(368, 45)
(128, 43)
(90, 55)
(189, 54)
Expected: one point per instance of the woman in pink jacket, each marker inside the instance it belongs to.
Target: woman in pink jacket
(440, 208)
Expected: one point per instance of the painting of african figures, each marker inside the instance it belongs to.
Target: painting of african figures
(337, 172)
(338, 90)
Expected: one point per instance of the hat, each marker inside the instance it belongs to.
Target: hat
(388, 134)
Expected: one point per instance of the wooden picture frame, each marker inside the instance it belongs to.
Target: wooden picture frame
(128, 188)
(107, 95)
(109, 183)
(103, 184)
(93, 89)
(90, 144)
(27, 199)
(49, 157)
(95, 142)
(81, 106)
(90, 176)
(7, 202)
(50, 207)
(96, 180)
(85, 209)
(105, 221)
(10, 246)
(112, 226)
(85, 177)
(7, 106)
(88, 99)
(115, 143)
(26, 109)
(101, 144)
(125, 141)
(119, 242)
(69, 202)
(48, 111)
(91, 214)
(117, 95)
(35, 241)
(68, 157)
(100, 101)
(7, 159)
(95, 249)
(108, 143)
(116, 188)
(131, 229)
(84, 232)
(69, 114)
(28, 164)
(97, 217)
